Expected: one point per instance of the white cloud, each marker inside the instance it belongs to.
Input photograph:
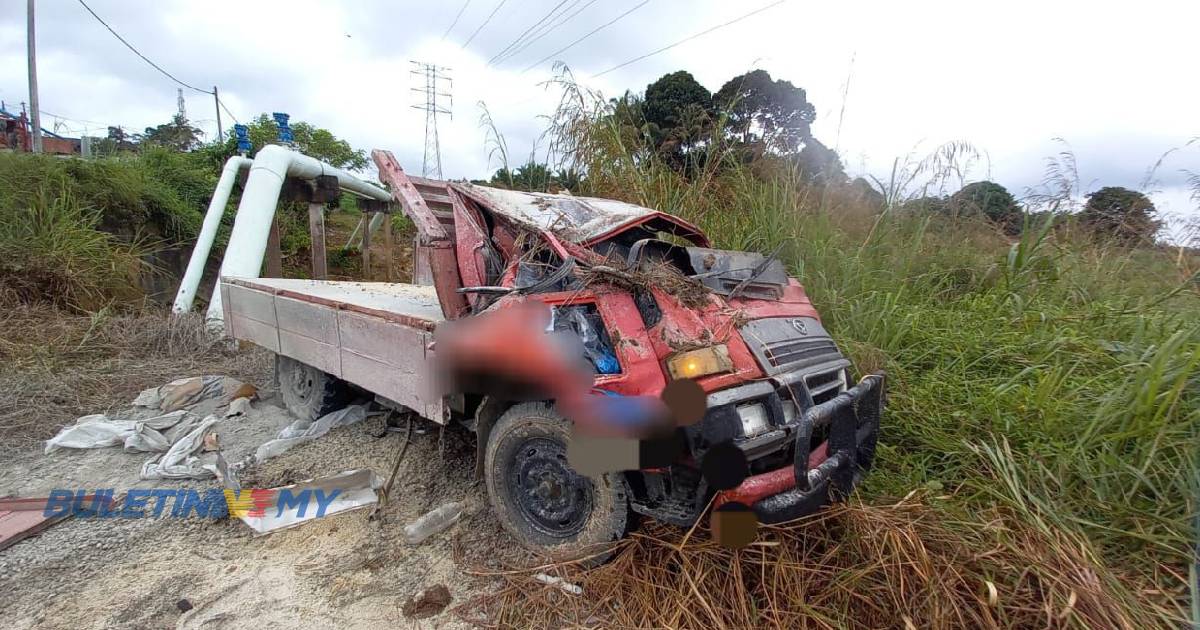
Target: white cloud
(1006, 77)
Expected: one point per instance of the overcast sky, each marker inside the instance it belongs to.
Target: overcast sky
(1115, 80)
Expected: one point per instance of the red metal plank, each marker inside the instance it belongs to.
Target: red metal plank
(409, 197)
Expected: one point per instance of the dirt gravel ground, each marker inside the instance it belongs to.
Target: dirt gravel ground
(343, 571)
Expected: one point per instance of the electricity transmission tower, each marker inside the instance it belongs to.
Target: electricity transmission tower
(181, 105)
(433, 76)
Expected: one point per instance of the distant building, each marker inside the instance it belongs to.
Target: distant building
(16, 134)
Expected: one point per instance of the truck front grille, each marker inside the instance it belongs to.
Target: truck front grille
(797, 350)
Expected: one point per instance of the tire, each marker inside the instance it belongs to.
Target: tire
(308, 392)
(539, 499)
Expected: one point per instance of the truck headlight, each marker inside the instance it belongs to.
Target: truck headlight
(702, 362)
(754, 419)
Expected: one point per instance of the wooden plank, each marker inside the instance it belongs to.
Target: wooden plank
(366, 246)
(400, 346)
(274, 256)
(323, 356)
(316, 232)
(389, 255)
(387, 359)
(255, 304)
(312, 320)
(262, 334)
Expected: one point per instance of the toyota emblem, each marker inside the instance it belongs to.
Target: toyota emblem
(800, 326)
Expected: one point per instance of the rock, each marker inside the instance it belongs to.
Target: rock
(183, 605)
(429, 603)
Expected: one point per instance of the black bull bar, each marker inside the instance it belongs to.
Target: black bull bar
(853, 421)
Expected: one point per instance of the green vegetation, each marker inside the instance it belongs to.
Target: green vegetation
(1119, 213)
(1048, 386)
(79, 232)
(84, 233)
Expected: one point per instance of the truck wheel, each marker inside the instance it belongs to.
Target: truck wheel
(308, 392)
(539, 498)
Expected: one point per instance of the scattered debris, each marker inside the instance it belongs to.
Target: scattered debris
(306, 430)
(182, 460)
(186, 392)
(566, 586)
(689, 291)
(430, 602)
(238, 407)
(98, 431)
(186, 440)
(263, 511)
(432, 522)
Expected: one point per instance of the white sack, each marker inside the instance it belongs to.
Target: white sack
(302, 431)
(97, 431)
(182, 460)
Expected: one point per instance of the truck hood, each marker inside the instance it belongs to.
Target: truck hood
(582, 220)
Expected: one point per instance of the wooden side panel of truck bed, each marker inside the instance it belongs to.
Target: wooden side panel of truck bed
(375, 336)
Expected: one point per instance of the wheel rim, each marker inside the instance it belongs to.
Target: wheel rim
(550, 495)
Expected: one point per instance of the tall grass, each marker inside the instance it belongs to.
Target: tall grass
(51, 249)
(1050, 376)
(76, 232)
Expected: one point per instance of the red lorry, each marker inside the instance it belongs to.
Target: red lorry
(650, 300)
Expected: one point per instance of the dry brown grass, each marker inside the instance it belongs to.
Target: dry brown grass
(56, 366)
(853, 565)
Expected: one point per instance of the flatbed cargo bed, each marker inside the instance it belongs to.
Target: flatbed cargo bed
(373, 334)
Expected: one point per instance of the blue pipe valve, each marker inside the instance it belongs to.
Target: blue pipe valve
(285, 132)
(243, 139)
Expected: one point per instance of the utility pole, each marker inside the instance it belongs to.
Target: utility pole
(217, 103)
(36, 115)
(431, 166)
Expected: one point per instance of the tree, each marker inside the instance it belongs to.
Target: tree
(1125, 215)
(865, 193)
(820, 164)
(678, 110)
(310, 140)
(530, 177)
(176, 135)
(568, 179)
(773, 115)
(116, 141)
(990, 200)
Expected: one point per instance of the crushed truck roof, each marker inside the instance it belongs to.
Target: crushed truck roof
(580, 219)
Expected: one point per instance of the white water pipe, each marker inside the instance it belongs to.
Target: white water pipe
(208, 232)
(248, 240)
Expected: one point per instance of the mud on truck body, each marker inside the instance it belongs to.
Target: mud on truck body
(777, 386)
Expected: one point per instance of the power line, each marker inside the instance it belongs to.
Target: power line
(222, 104)
(593, 32)
(485, 23)
(526, 33)
(547, 30)
(156, 66)
(455, 22)
(690, 38)
(136, 52)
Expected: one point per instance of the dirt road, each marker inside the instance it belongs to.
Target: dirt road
(341, 571)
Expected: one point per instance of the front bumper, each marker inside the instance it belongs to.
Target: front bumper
(852, 418)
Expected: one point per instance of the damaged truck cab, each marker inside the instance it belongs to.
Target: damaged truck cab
(651, 302)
